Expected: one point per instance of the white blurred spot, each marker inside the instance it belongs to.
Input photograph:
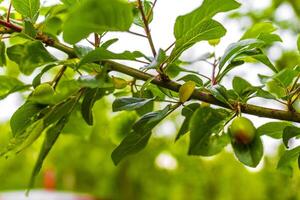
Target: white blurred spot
(166, 161)
(8, 106)
(284, 12)
(166, 129)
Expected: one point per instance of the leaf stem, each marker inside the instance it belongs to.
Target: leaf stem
(59, 76)
(137, 34)
(169, 47)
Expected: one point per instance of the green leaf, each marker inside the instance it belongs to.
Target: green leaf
(57, 113)
(187, 112)
(60, 110)
(264, 94)
(286, 76)
(159, 59)
(2, 54)
(32, 132)
(29, 29)
(220, 93)
(269, 38)
(108, 43)
(199, 25)
(257, 29)
(276, 89)
(237, 48)
(147, 7)
(207, 10)
(273, 129)
(146, 94)
(29, 56)
(97, 16)
(192, 77)
(27, 8)
(206, 30)
(133, 143)
(9, 85)
(100, 54)
(38, 123)
(250, 154)
(206, 137)
(286, 160)
(265, 60)
(100, 81)
(90, 97)
(148, 121)
(136, 140)
(288, 133)
(242, 87)
(50, 139)
(129, 103)
(253, 55)
(37, 80)
(24, 116)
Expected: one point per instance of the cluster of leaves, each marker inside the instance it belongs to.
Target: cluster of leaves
(84, 77)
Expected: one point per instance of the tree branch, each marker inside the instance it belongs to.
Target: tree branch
(171, 85)
(206, 97)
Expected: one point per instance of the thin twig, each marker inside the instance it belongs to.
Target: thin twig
(141, 61)
(59, 76)
(146, 27)
(168, 48)
(8, 13)
(151, 11)
(138, 34)
(97, 40)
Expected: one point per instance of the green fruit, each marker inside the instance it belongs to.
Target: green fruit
(186, 91)
(43, 94)
(242, 130)
(214, 42)
(119, 83)
(42, 90)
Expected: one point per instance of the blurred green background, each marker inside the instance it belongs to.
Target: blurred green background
(81, 163)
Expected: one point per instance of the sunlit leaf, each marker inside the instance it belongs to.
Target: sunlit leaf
(27, 8)
(97, 16)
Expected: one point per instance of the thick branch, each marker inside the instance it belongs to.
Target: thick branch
(42, 37)
(197, 95)
(206, 97)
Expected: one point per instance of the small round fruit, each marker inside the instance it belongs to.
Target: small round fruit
(44, 89)
(43, 94)
(214, 42)
(119, 83)
(242, 130)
